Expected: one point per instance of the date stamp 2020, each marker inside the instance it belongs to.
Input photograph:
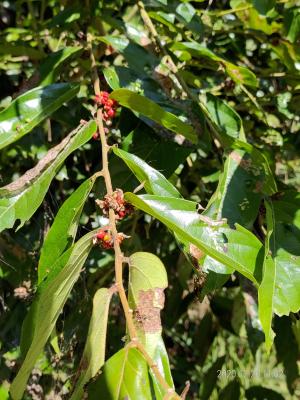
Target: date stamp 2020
(256, 373)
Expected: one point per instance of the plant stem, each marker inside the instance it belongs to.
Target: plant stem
(119, 258)
(109, 189)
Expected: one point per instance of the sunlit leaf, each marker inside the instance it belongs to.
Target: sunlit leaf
(32, 107)
(147, 281)
(20, 199)
(94, 351)
(237, 248)
(154, 181)
(47, 305)
(64, 228)
(153, 111)
(125, 375)
(266, 289)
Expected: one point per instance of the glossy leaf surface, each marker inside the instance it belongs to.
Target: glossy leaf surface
(154, 181)
(94, 351)
(266, 291)
(125, 375)
(20, 199)
(236, 248)
(147, 281)
(62, 233)
(240, 75)
(153, 111)
(47, 305)
(32, 107)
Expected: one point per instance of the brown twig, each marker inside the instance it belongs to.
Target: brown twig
(119, 258)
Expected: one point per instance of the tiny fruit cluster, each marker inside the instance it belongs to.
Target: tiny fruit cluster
(121, 208)
(117, 203)
(104, 238)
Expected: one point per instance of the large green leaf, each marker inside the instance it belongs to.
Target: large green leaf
(32, 107)
(94, 351)
(20, 199)
(225, 117)
(239, 191)
(285, 249)
(155, 182)
(292, 24)
(266, 289)
(147, 281)
(237, 248)
(64, 228)
(263, 6)
(51, 66)
(47, 305)
(209, 382)
(240, 75)
(124, 376)
(153, 111)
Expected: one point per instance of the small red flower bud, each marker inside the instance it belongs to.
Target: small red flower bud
(111, 113)
(122, 214)
(100, 235)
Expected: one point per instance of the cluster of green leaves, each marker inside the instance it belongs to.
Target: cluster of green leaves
(208, 125)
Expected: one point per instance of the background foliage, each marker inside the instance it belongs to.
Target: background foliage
(223, 128)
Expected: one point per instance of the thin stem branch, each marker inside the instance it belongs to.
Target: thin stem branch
(119, 258)
(109, 189)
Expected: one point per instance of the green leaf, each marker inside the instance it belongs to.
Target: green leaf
(266, 290)
(111, 77)
(237, 248)
(125, 375)
(284, 244)
(239, 191)
(240, 75)
(147, 281)
(225, 117)
(209, 381)
(94, 351)
(286, 349)
(230, 391)
(264, 6)
(32, 107)
(292, 24)
(47, 305)
(18, 50)
(155, 182)
(52, 65)
(153, 111)
(262, 393)
(20, 199)
(136, 56)
(66, 16)
(64, 228)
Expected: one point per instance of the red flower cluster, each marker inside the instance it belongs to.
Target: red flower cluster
(105, 240)
(117, 203)
(108, 106)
